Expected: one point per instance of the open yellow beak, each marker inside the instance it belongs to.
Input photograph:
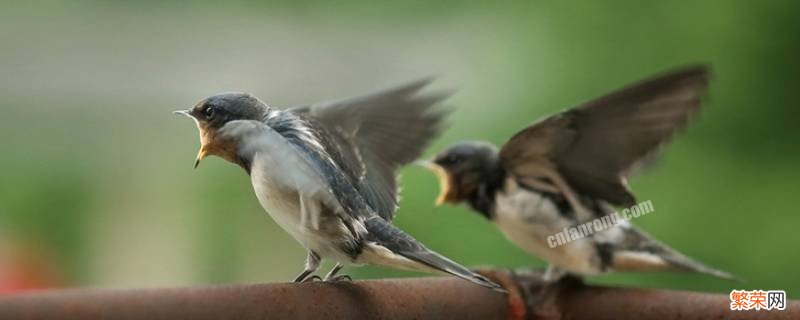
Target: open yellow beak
(200, 156)
(446, 191)
(203, 150)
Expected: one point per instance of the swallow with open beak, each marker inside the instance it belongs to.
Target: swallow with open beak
(571, 168)
(326, 173)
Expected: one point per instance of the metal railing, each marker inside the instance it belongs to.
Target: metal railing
(418, 298)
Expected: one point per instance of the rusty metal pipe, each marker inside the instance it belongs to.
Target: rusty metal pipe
(420, 298)
(620, 304)
(532, 298)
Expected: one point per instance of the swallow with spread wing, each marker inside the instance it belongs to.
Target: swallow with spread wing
(326, 173)
(571, 168)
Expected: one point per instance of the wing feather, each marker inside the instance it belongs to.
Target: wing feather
(595, 145)
(371, 136)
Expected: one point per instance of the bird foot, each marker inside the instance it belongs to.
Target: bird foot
(312, 278)
(553, 274)
(339, 278)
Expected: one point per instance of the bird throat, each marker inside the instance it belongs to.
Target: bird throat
(212, 144)
(447, 189)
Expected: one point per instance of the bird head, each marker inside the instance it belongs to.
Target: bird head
(212, 113)
(461, 168)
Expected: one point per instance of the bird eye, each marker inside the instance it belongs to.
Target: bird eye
(209, 112)
(453, 159)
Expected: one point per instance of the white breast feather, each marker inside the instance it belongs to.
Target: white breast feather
(527, 218)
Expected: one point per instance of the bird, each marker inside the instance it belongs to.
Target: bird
(570, 169)
(326, 172)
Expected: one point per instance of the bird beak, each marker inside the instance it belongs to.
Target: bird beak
(203, 151)
(200, 156)
(446, 192)
(183, 112)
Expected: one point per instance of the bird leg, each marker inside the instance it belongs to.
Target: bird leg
(331, 276)
(553, 273)
(312, 264)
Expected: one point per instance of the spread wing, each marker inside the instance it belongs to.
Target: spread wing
(371, 136)
(594, 145)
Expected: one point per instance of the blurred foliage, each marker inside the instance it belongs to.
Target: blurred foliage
(95, 169)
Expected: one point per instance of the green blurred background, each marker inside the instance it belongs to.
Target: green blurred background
(96, 183)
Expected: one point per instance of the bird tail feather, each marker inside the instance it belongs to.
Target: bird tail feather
(387, 236)
(443, 264)
(644, 253)
(684, 263)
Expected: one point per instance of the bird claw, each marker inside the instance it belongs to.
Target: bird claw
(553, 274)
(339, 278)
(312, 279)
